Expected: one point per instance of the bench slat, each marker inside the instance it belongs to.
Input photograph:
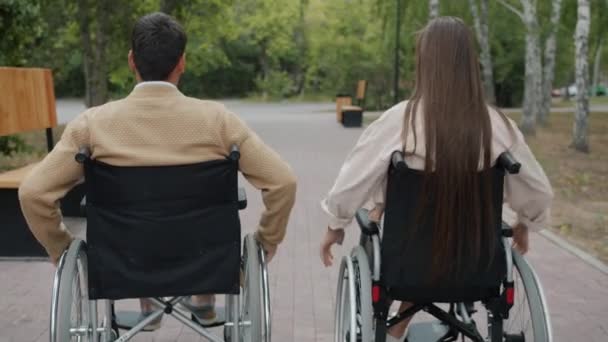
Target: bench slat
(12, 179)
(27, 100)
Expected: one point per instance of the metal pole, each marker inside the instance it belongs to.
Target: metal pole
(397, 41)
(49, 139)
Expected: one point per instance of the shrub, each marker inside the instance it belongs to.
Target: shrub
(10, 145)
(277, 84)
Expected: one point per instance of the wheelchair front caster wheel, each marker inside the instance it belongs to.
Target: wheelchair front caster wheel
(112, 336)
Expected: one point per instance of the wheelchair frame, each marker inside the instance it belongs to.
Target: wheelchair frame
(106, 330)
(370, 322)
(243, 317)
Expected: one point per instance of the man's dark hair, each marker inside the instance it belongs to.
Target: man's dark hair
(157, 42)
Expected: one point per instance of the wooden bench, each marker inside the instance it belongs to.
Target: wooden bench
(347, 114)
(27, 103)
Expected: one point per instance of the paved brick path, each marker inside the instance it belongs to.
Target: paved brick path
(302, 291)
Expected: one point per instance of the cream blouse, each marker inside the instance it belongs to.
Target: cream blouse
(362, 178)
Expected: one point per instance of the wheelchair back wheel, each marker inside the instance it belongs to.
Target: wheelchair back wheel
(253, 294)
(70, 307)
(345, 320)
(529, 317)
(363, 288)
(354, 312)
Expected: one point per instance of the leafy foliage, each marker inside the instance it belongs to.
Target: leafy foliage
(10, 145)
(21, 26)
(280, 48)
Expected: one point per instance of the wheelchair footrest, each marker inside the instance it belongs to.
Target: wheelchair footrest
(126, 320)
(427, 331)
(218, 320)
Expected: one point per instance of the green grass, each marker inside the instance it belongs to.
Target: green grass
(255, 97)
(595, 100)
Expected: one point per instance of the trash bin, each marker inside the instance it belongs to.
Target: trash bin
(352, 116)
(342, 100)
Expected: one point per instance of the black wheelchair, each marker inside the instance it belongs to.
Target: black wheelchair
(163, 233)
(386, 268)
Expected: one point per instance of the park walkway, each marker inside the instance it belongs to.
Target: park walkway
(303, 292)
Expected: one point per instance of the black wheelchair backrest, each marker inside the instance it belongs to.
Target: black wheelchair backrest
(407, 243)
(157, 231)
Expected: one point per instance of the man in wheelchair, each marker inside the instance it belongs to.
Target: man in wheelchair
(439, 169)
(160, 172)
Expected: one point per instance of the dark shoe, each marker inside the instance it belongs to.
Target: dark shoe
(126, 320)
(206, 315)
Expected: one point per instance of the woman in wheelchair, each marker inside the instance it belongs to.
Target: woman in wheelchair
(450, 139)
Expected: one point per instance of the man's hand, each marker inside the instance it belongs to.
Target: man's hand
(520, 238)
(271, 251)
(331, 237)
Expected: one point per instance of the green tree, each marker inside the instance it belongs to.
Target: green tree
(277, 47)
(269, 27)
(21, 26)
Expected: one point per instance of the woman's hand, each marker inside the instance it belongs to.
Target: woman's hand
(520, 238)
(331, 237)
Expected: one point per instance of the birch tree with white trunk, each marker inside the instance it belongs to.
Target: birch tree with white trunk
(433, 9)
(580, 140)
(549, 65)
(533, 76)
(480, 20)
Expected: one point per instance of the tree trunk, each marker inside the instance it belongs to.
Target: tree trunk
(100, 95)
(302, 47)
(433, 9)
(85, 39)
(481, 30)
(580, 140)
(94, 54)
(533, 76)
(263, 59)
(596, 66)
(549, 67)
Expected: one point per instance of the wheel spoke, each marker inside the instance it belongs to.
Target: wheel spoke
(527, 318)
(520, 317)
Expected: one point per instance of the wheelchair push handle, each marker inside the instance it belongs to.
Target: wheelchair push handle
(508, 162)
(397, 160)
(235, 153)
(84, 154)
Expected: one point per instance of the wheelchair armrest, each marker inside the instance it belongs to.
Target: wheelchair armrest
(242, 198)
(508, 162)
(367, 227)
(506, 230)
(84, 154)
(83, 206)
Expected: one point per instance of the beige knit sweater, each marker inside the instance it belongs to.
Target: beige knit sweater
(155, 125)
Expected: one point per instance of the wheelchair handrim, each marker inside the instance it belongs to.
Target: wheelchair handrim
(71, 309)
(529, 305)
(252, 292)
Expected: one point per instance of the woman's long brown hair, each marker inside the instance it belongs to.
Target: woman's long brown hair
(458, 141)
